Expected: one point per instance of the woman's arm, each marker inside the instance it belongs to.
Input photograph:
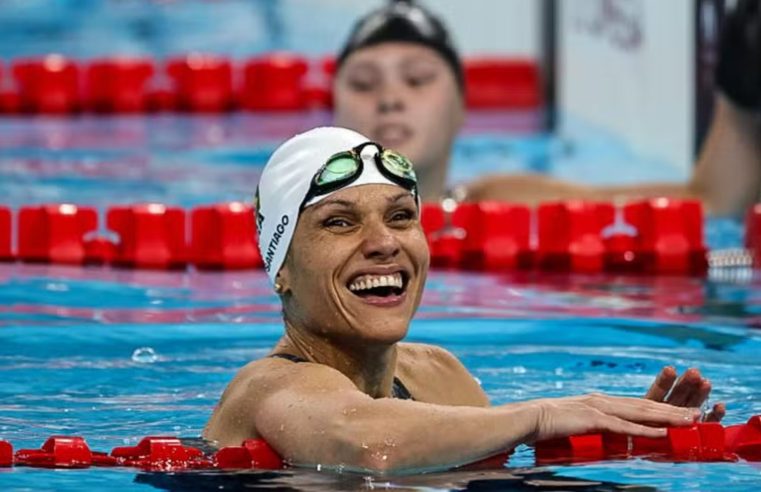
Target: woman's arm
(728, 173)
(727, 177)
(316, 415)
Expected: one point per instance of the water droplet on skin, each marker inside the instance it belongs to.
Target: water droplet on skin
(144, 355)
(282, 427)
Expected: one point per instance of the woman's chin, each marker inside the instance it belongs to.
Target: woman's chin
(383, 333)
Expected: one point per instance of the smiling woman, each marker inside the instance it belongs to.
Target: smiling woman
(339, 221)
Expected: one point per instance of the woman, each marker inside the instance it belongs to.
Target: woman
(344, 249)
(400, 82)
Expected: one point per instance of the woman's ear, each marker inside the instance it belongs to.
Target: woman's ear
(282, 283)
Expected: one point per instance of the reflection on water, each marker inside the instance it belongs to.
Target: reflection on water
(519, 480)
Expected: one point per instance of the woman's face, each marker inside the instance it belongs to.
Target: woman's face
(356, 266)
(403, 96)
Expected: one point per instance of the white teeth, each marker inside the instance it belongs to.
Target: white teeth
(366, 282)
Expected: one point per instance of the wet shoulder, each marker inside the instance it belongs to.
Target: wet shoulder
(233, 419)
(432, 374)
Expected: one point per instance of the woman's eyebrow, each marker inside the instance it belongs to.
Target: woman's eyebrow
(399, 197)
(415, 61)
(361, 67)
(333, 201)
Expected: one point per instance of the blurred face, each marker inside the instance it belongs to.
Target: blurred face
(356, 266)
(403, 96)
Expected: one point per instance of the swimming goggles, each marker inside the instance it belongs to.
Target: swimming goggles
(344, 168)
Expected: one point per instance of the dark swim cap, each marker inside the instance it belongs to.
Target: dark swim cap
(738, 74)
(403, 21)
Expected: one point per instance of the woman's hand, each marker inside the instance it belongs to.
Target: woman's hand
(562, 417)
(690, 390)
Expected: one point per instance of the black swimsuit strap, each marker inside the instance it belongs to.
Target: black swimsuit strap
(398, 391)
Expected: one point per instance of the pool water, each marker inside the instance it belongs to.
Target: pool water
(114, 355)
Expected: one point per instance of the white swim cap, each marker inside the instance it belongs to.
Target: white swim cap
(286, 179)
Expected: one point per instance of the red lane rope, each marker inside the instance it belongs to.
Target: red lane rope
(206, 83)
(702, 442)
(655, 236)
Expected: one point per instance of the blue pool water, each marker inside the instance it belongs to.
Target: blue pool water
(114, 355)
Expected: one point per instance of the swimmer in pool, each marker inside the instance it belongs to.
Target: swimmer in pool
(400, 82)
(343, 247)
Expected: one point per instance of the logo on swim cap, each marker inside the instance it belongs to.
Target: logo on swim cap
(258, 211)
(274, 242)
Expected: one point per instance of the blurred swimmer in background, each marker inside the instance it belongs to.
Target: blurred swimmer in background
(400, 81)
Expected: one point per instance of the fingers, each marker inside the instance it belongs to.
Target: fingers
(689, 390)
(701, 395)
(716, 414)
(662, 384)
(617, 425)
(641, 410)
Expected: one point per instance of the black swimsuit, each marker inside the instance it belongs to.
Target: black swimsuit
(398, 391)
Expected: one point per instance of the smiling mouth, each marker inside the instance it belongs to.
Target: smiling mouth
(389, 286)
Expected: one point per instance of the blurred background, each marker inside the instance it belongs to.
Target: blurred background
(624, 86)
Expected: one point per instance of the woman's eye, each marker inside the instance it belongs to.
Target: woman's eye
(336, 222)
(419, 80)
(360, 85)
(403, 216)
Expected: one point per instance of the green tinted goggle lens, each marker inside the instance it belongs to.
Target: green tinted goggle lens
(398, 164)
(339, 168)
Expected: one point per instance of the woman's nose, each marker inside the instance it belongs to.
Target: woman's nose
(379, 242)
(390, 99)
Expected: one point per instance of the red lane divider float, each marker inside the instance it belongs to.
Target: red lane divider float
(6, 252)
(253, 453)
(670, 235)
(274, 83)
(151, 236)
(224, 237)
(47, 85)
(661, 236)
(498, 237)
(208, 83)
(118, 85)
(153, 453)
(701, 442)
(6, 454)
(161, 453)
(202, 83)
(753, 232)
(55, 233)
(570, 236)
(487, 78)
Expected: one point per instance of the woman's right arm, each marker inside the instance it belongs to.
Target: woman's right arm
(318, 416)
(727, 176)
